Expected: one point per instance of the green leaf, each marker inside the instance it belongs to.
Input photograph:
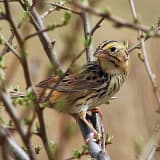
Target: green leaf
(25, 18)
(140, 56)
(88, 41)
(59, 72)
(138, 145)
(158, 23)
(76, 154)
(53, 148)
(66, 17)
(10, 123)
(26, 3)
(108, 102)
(37, 127)
(107, 11)
(27, 121)
(1, 40)
(37, 149)
(84, 149)
(1, 10)
(24, 54)
(51, 26)
(109, 139)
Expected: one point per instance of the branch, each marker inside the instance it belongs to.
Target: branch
(50, 10)
(11, 146)
(15, 117)
(11, 48)
(62, 77)
(97, 25)
(50, 28)
(151, 33)
(21, 44)
(144, 52)
(118, 22)
(43, 36)
(150, 148)
(9, 41)
(58, 6)
(87, 29)
(94, 149)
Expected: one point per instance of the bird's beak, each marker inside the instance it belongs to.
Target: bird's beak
(100, 53)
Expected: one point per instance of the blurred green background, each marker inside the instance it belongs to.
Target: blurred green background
(131, 118)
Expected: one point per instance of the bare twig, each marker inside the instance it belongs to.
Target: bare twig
(151, 147)
(45, 30)
(64, 8)
(94, 149)
(146, 62)
(87, 29)
(12, 147)
(146, 37)
(6, 48)
(117, 21)
(64, 74)
(15, 117)
(11, 48)
(50, 10)
(21, 44)
(97, 25)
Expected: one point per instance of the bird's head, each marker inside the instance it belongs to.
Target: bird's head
(113, 57)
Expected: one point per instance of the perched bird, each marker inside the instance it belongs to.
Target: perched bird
(92, 85)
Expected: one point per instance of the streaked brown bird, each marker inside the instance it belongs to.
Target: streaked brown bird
(92, 85)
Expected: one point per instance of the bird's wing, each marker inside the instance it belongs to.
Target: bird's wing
(86, 79)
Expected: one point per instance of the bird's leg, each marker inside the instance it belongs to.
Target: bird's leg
(82, 116)
(97, 110)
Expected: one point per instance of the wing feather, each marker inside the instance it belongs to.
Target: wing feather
(86, 79)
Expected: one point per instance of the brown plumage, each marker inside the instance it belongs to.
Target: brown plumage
(93, 84)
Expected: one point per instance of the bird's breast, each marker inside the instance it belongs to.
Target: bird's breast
(107, 90)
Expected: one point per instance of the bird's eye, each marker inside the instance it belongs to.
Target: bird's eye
(113, 49)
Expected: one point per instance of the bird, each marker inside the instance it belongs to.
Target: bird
(93, 84)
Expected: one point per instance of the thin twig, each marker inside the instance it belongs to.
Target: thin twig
(146, 37)
(94, 148)
(118, 22)
(87, 29)
(150, 148)
(12, 147)
(144, 52)
(15, 117)
(45, 30)
(21, 44)
(72, 158)
(6, 48)
(45, 40)
(11, 48)
(64, 8)
(64, 74)
(8, 16)
(97, 25)
(50, 10)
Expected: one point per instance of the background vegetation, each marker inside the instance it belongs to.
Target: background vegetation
(132, 119)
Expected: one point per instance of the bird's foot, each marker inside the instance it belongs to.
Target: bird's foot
(97, 110)
(93, 135)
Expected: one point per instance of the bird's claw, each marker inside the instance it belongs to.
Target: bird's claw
(96, 136)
